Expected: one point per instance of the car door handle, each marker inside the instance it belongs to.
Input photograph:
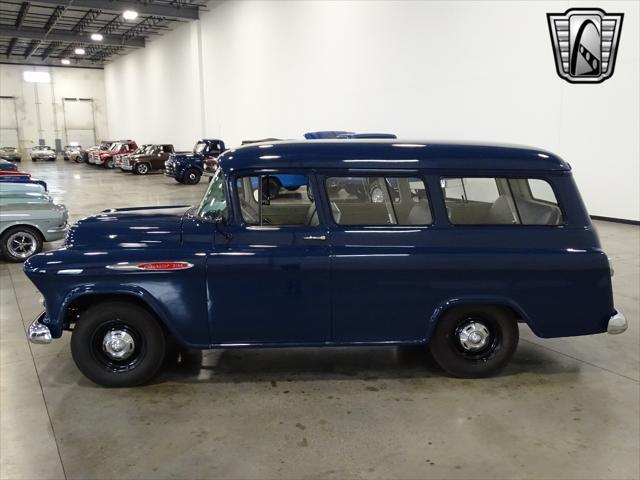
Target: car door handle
(315, 237)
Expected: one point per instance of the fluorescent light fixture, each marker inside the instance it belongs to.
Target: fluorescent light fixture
(130, 14)
(36, 77)
(79, 51)
(65, 61)
(96, 37)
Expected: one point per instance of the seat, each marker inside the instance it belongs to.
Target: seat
(501, 212)
(420, 215)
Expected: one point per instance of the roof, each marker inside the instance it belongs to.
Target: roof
(389, 154)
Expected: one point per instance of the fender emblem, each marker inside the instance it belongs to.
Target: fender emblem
(151, 266)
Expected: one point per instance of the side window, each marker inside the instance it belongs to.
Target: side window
(499, 201)
(536, 202)
(378, 201)
(278, 200)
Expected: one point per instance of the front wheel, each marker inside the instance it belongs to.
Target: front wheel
(19, 243)
(141, 168)
(474, 341)
(109, 163)
(118, 344)
(191, 176)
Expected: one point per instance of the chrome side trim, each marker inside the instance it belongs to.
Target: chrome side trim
(39, 332)
(617, 324)
(130, 267)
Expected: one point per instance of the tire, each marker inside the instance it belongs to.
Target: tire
(19, 243)
(141, 168)
(109, 164)
(66, 159)
(191, 176)
(469, 358)
(139, 333)
(179, 180)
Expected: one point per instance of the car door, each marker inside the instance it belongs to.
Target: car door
(269, 273)
(380, 257)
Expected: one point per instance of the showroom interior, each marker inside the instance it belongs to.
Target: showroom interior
(121, 104)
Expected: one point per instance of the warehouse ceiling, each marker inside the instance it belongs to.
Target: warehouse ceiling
(48, 32)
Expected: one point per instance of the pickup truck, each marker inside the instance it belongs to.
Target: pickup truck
(106, 158)
(188, 167)
(151, 158)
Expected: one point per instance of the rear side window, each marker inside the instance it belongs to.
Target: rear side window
(378, 201)
(500, 201)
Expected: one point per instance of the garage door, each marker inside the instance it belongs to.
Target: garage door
(78, 120)
(8, 123)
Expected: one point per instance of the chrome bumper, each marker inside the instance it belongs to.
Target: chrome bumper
(39, 332)
(617, 324)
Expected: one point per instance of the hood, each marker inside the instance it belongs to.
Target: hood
(179, 157)
(140, 227)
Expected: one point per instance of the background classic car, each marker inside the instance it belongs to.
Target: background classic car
(73, 153)
(10, 153)
(7, 166)
(151, 158)
(42, 152)
(189, 167)
(170, 274)
(29, 218)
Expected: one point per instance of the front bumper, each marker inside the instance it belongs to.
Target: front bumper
(56, 233)
(617, 324)
(38, 331)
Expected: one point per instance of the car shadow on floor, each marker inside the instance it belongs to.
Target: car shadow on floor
(328, 363)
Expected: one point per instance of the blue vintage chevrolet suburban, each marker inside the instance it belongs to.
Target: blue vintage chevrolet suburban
(445, 245)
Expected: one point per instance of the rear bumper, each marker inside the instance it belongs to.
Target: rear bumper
(617, 324)
(38, 332)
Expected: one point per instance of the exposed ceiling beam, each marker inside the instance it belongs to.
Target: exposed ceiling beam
(51, 61)
(24, 8)
(66, 36)
(33, 46)
(85, 21)
(178, 10)
(49, 49)
(12, 44)
(53, 19)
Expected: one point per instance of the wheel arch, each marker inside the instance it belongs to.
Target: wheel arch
(75, 303)
(22, 224)
(507, 304)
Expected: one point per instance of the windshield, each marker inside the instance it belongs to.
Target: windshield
(214, 202)
(115, 147)
(200, 147)
(8, 149)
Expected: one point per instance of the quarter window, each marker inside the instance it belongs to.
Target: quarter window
(500, 201)
(378, 201)
(276, 200)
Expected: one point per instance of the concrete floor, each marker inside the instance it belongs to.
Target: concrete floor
(565, 408)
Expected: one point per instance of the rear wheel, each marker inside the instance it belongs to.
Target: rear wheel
(19, 243)
(474, 341)
(118, 344)
(191, 176)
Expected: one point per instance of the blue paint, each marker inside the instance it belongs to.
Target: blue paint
(267, 286)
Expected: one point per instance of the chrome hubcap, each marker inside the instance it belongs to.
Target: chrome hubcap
(474, 336)
(118, 344)
(22, 244)
(142, 169)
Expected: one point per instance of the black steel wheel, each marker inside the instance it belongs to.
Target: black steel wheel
(191, 176)
(118, 344)
(474, 341)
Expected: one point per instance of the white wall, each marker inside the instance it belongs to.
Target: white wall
(65, 82)
(154, 94)
(438, 70)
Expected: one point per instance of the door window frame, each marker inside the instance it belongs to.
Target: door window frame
(239, 221)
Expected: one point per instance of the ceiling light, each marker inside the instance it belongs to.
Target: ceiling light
(65, 61)
(96, 37)
(130, 14)
(79, 51)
